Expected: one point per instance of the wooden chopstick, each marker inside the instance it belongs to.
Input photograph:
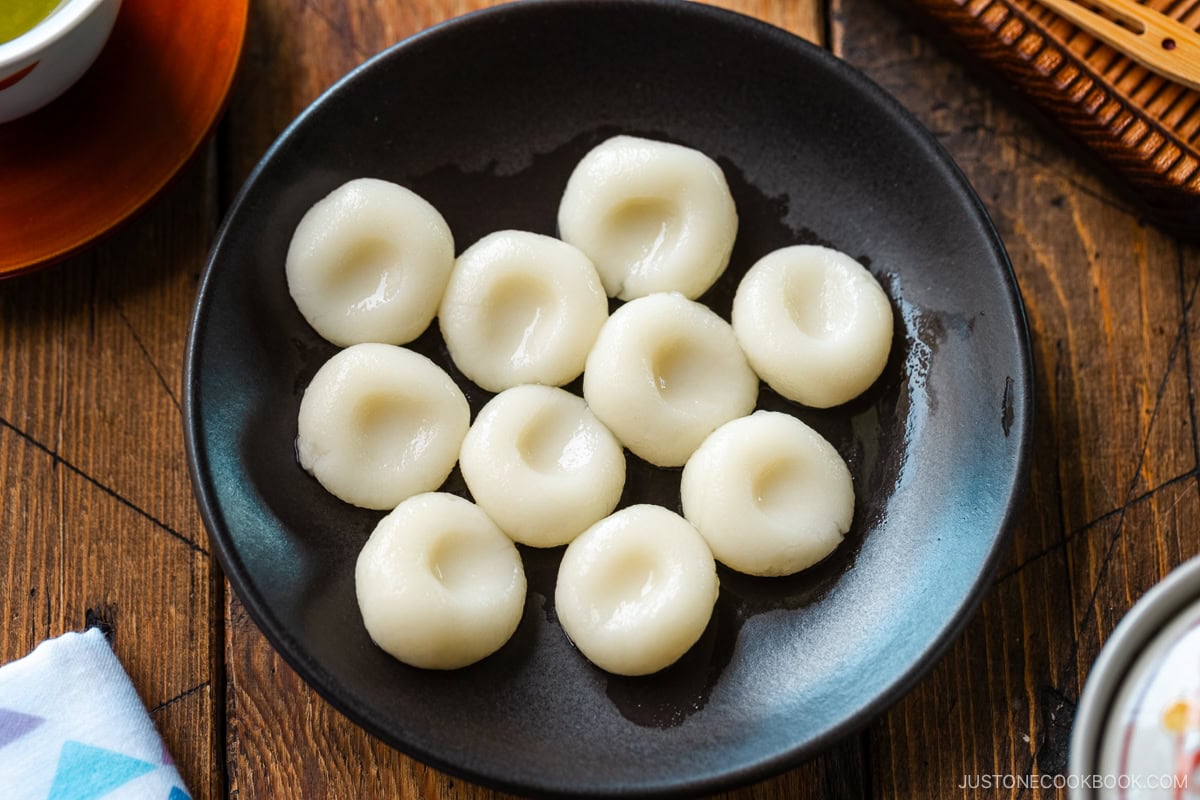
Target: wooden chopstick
(1157, 42)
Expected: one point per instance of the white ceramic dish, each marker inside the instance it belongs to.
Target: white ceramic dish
(42, 63)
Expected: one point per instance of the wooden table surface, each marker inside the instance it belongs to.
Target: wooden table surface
(97, 519)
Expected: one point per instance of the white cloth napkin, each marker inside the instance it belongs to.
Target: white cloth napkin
(73, 728)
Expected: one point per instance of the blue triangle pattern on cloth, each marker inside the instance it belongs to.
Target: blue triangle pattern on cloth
(86, 772)
(178, 794)
(14, 725)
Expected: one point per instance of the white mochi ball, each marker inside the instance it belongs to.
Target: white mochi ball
(541, 465)
(769, 494)
(664, 373)
(438, 584)
(652, 216)
(369, 262)
(521, 308)
(815, 324)
(380, 423)
(636, 590)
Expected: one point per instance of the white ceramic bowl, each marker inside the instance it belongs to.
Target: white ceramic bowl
(42, 63)
(1133, 728)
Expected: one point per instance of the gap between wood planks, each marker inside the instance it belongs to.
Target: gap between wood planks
(57, 460)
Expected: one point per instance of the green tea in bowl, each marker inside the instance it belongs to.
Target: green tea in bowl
(20, 16)
(53, 43)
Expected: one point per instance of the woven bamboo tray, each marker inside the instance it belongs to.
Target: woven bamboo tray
(1145, 127)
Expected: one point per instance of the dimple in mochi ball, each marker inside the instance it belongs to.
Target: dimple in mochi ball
(664, 373)
(439, 585)
(521, 308)
(379, 423)
(652, 216)
(636, 590)
(369, 262)
(814, 323)
(541, 465)
(769, 494)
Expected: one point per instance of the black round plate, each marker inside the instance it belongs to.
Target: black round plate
(486, 116)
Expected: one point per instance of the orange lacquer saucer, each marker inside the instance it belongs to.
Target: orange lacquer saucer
(84, 164)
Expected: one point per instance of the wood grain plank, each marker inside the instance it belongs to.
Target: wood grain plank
(30, 547)
(1112, 492)
(806, 19)
(97, 519)
(31, 362)
(126, 326)
(1122, 557)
